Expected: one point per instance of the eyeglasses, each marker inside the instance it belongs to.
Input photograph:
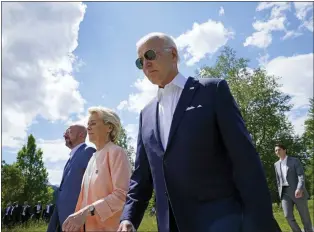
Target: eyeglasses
(148, 55)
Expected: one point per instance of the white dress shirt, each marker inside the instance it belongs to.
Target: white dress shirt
(168, 98)
(75, 149)
(284, 169)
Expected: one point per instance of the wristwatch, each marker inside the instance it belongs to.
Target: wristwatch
(91, 209)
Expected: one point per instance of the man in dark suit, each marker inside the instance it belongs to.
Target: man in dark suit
(74, 169)
(48, 212)
(16, 213)
(193, 148)
(26, 212)
(291, 189)
(7, 214)
(38, 210)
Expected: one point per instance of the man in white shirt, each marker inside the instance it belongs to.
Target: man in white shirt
(194, 150)
(38, 210)
(26, 212)
(291, 189)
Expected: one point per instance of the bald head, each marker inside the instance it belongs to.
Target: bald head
(75, 135)
(80, 129)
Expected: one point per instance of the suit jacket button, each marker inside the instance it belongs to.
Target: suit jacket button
(166, 194)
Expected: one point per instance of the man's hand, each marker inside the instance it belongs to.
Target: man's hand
(298, 193)
(126, 226)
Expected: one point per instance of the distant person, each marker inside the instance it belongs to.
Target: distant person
(291, 189)
(48, 212)
(74, 170)
(106, 179)
(16, 213)
(194, 150)
(7, 214)
(26, 212)
(38, 210)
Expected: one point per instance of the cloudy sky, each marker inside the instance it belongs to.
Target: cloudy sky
(60, 58)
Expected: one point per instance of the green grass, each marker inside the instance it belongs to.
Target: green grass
(149, 223)
(278, 213)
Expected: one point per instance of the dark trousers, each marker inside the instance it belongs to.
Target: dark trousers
(54, 223)
(172, 221)
(174, 228)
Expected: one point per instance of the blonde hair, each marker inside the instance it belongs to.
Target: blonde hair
(109, 117)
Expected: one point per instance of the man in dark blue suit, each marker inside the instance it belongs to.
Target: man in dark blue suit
(194, 149)
(74, 169)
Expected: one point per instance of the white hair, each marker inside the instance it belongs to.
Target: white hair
(168, 40)
(108, 116)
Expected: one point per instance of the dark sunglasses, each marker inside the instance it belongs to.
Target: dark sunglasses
(148, 55)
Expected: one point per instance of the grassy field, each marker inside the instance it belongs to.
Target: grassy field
(150, 224)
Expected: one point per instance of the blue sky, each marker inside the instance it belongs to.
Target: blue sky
(58, 63)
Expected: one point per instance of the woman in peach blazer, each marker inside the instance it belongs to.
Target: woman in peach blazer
(106, 179)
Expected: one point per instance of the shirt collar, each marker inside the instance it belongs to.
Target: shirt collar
(179, 81)
(75, 148)
(284, 160)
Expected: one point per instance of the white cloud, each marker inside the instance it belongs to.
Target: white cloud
(221, 11)
(122, 105)
(137, 101)
(297, 81)
(302, 9)
(55, 176)
(260, 39)
(277, 21)
(275, 24)
(37, 65)
(291, 34)
(304, 12)
(277, 8)
(54, 150)
(263, 59)
(203, 39)
(308, 24)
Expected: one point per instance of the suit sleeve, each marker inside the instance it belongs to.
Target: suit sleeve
(300, 174)
(248, 172)
(120, 173)
(277, 177)
(141, 185)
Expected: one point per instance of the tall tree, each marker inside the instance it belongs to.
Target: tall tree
(30, 162)
(12, 182)
(308, 138)
(262, 105)
(124, 142)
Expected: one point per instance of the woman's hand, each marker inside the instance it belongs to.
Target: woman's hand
(76, 220)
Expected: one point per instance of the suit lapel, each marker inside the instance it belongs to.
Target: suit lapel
(78, 151)
(70, 160)
(185, 100)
